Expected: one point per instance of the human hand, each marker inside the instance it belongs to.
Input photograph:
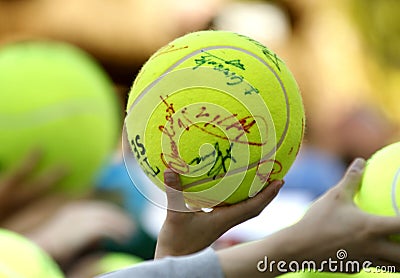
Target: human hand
(334, 222)
(122, 38)
(185, 232)
(20, 187)
(81, 224)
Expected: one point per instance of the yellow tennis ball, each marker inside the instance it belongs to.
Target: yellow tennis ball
(115, 260)
(220, 109)
(55, 97)
(379, 192)
(21, 258)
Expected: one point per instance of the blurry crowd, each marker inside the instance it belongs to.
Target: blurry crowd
(348, 77)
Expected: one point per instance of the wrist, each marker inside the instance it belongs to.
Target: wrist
(284, 251)
(267, 257)
(298, 247)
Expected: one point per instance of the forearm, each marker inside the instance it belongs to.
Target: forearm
(268, 257)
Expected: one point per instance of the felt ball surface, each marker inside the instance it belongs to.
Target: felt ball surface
(379, 191)
(19, 257)
(114, 261)
(220, 109)
(56, 98)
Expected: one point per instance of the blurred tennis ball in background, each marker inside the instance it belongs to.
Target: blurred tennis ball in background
(56, 98)
(220, 109)
(21, 258)
(115, 260)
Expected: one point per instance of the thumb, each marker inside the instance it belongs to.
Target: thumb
(352, 179)
(173, 189)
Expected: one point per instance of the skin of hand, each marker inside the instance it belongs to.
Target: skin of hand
(120, 34)
(332, 223)
(80, 224)
(185, 232)
(20, 186)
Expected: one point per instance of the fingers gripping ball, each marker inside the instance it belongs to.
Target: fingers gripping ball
(220, 109)
(379, 193)
(56, 98)
(19, 257)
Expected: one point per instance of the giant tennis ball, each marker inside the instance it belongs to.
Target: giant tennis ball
(220, 109)
(21, 258)
(379, 192)
(56, 98)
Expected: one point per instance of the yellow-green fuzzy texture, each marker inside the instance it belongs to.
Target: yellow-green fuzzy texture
(56, 98)
(241, 77)
(21, 258)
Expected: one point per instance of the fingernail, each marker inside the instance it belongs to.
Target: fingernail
(170, 176)
(358, 164)
(278, 186)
